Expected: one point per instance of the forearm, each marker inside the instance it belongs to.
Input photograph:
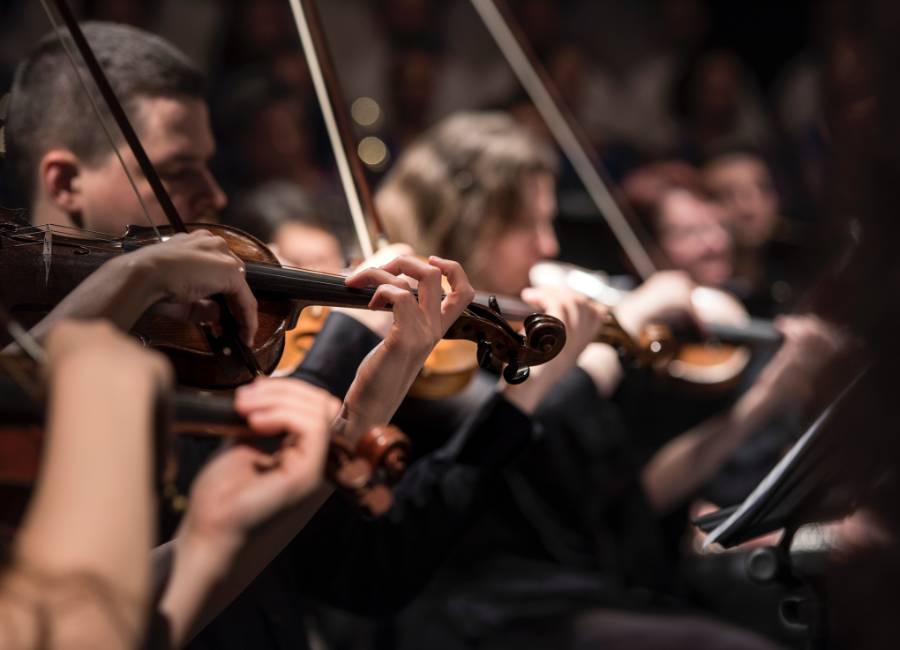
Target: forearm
(96, 477)
(375, 565)
(120, 291)
(682, 466)
(96, 487)
(528, 395)
(382, 382)
(601, 363)
(206, 577)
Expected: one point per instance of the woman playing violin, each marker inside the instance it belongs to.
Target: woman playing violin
(481, 183)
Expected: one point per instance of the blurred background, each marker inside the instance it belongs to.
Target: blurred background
(648, 80)
(731, 97)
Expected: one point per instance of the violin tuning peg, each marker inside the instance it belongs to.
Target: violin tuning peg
(513, 374)
(494, 305)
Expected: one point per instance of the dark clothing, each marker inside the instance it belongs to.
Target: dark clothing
(568, 543)
(655, 413)
(363, 564)
(567, 528)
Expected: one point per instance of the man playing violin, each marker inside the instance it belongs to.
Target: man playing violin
(72, 180)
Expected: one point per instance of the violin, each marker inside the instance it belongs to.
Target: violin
(707, 362)
(41, 266)
(453, 362)
(366, 473)
(204, 357)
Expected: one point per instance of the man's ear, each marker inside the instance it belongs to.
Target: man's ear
(58, 176)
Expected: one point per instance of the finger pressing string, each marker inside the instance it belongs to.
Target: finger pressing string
(372, 277)
(461, 291)
(428, 277)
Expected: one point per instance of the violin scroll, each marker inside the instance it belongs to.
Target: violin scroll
(500, 345)
(366, 472)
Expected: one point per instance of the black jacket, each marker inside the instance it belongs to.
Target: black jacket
(364, 564)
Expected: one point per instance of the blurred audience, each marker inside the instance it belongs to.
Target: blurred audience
(283, 215)
(724, 227)
(685, 222)
(716, 105)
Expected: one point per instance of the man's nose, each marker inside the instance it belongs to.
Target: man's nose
(219, 198)
(212, 198)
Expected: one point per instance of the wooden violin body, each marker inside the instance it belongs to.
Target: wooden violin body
(701, 364)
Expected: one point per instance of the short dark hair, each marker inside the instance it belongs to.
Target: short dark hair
(48, 106)
(263, 210)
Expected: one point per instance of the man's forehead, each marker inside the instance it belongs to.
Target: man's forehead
(173, 128)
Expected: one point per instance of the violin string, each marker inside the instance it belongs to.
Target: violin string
(25, 232)
(563, 130)
(62, 229)
(70, 55)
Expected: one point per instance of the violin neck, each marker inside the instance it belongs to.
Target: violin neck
(510, 308)
(758, 332)
(194, 407)
(312, 287)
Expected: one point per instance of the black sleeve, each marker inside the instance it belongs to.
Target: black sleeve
(375, 565)
(339, 348)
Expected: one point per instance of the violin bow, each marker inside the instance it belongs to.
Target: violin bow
(230, 339)
(575, 145)
(338, 125)
(29, 345)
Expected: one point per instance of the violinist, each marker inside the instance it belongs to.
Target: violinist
(358, 563)
(580, 511)
(95, 493)
(94, 590)
(701, 233)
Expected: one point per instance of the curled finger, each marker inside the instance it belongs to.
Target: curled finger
(429, 279)
(461, 291)
(373, 277)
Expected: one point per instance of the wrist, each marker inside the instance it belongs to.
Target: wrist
(207, 555)
(380, 385)
(142, 277)
(602, 364)
(631, 316)
(408, 356)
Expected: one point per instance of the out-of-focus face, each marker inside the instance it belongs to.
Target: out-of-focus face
(308, 247)
(692, 236)
(276, 143)
(178, 140)
(745, 187)
(506, 260)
